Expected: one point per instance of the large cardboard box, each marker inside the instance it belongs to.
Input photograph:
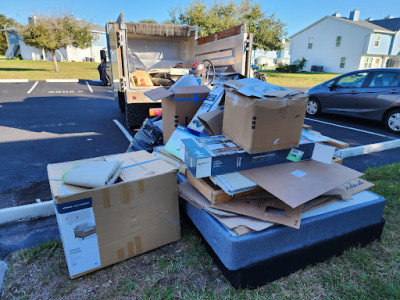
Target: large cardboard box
(179, 105)
(100, 227)
(216, 155)
(261, 125)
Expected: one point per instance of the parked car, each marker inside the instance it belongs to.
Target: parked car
(371, 94)
(255, 67)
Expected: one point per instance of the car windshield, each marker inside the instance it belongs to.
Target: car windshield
(352, 81)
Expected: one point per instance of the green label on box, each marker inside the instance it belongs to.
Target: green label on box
(295, 155)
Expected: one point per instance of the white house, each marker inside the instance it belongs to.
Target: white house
(272, 58)
(340, 45)
(283, 56)
(17, 47)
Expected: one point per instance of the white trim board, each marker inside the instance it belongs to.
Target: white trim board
(29, 211)
(366, 149)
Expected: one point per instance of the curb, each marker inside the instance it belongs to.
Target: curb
(3, 271)
(62, 80)
(30, 211)
(13, 80)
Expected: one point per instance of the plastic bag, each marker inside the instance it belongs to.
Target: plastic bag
(149, 135)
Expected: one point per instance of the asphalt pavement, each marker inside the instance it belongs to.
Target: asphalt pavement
(42, 123)
(55, 122)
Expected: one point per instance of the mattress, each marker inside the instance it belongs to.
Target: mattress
(324, 223)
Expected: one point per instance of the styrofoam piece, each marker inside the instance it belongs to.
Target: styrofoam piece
(29, 211)
(365, 149)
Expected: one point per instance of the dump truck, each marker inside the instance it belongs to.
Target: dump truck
(172, 48)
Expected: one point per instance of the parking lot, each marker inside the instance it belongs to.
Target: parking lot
(49, 122)
(53, 122)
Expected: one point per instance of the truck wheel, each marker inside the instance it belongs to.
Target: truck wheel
(121, 102)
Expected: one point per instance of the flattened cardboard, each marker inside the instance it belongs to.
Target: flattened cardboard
(187, 190)
(265, 124)
(212, 121)
(158, 93)
(348, 189)
(190, 93)
(131, 217)
(264, 207)
(297, 183)
(229, 222)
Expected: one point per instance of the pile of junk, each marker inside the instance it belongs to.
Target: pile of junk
(265, 192)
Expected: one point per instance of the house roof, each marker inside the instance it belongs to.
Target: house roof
(367, 24)
(391, 24)
(364, 24)
(92, 26)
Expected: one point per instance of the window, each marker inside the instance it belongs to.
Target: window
(96, 36)
(342, 62)
(310, 43)
(377, 40)
(390, 63)
(352, 81)
(384, 79)
(368, 62)
(338, 41)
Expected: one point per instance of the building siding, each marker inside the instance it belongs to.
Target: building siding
(384, 44)
(324, 52)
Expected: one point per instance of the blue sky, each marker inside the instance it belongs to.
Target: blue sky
(296, 14)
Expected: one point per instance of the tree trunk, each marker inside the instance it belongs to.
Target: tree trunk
(55, 61)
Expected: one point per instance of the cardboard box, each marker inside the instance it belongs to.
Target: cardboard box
(179, 105)
(215, 155)
(212, 192)
(261, 125)
(100, 227)
(210, 104)
(212, 121)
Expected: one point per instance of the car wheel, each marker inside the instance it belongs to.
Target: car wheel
(313, 107)
(392, 121)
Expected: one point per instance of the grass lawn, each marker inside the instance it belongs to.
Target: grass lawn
(41, 70)
(303, 79)
(184, 270)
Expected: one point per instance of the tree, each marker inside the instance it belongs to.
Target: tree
(53, 33)
(5, 23)
(267, 29)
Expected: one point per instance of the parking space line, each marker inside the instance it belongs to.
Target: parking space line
(33, 87)
(90, 88)
(351, 128)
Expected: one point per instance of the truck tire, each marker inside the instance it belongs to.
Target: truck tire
(136, 113)
(121, 102)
